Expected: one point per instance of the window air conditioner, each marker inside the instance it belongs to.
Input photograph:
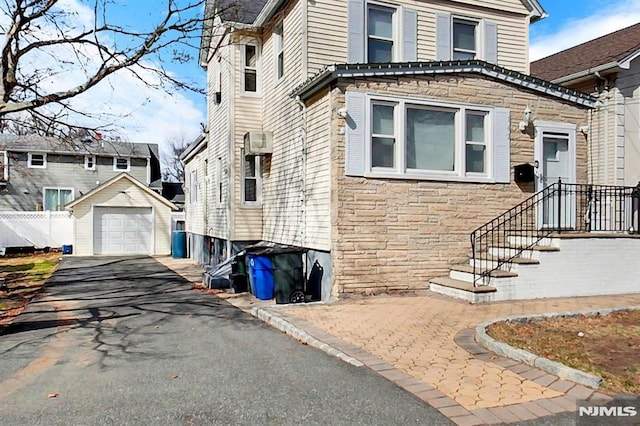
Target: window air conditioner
(258, 143)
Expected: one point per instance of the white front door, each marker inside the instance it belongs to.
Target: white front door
(556, 159)
(123, 230)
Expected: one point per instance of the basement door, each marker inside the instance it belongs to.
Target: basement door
(555, 148)
(123, 230)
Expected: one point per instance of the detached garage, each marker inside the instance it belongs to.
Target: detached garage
(123, 216)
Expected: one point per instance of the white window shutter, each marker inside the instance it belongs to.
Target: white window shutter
(356, 136)
(491, 42)
(443, 36)
(502, 145)
(409, 35)
(356, 32)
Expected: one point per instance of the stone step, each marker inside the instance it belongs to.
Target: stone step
(520, 251)
(461, 285)
(489, 261)
(465, 273)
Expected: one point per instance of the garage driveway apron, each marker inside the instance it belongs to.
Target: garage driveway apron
(126, 341)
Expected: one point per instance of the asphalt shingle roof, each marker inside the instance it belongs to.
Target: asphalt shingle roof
(607, 49)
(35, 143)
(241, 11)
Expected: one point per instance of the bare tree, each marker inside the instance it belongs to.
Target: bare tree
(44, 41)
(172, 167)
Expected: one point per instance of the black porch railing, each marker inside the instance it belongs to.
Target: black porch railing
(558, 208)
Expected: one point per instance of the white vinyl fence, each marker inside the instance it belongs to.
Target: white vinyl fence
(36, 229)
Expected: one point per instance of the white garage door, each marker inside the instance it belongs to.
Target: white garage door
(123, 230)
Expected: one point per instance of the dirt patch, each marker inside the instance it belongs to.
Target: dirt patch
(607, 346)
(21, 278)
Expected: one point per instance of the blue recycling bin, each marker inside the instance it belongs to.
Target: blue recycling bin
(179, 245)
(261, 274)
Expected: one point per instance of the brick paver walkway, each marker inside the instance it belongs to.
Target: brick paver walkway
(416, 336)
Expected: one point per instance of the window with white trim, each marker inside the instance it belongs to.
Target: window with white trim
(409, 137)
(90, 162)
(381, 33)
(251, 179)
(193, 186)
(278, 47)
(55, 199)
(251, 60)
(121, 164)
(37, 160)
(465, 39)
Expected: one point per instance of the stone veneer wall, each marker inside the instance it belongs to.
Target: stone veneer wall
(390, 234)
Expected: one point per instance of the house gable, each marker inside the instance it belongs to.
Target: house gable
(608, 53)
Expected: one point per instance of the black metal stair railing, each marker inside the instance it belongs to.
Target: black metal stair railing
(560, 207)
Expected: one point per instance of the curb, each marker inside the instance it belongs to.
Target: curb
(301, 335)
(545, 364)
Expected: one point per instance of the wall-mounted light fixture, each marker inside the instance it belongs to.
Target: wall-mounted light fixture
(526, 119)
(342, 112)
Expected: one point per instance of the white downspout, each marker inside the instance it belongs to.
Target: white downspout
(302, 234)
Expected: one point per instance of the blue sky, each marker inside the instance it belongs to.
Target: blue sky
(152, 115)
(572, 22)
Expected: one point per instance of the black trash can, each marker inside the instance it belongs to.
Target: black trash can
(288, 277)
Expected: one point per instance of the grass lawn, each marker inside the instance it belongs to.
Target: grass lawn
(23, 278)
(607, 346)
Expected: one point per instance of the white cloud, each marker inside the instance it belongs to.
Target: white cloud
(607, 19)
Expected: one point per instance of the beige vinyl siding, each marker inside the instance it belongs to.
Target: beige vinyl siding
(606, 137)
(282, 187)
(318, 173)
(219, 136)
(629, 84)
(248, 117)
(328, 38)
(122, 193)
(196, 222)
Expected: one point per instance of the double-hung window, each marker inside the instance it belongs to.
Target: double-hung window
(36, 160)
(193, 186)
(121, 164)
(251, 61)
(380, 34)
(465, 39)
(252, 177)
(383, 135)
(90, 162)
(55, 199)
(278, 47)
(476, 141)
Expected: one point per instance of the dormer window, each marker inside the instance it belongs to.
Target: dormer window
(121, 164)
(37, 160)
(90, 162)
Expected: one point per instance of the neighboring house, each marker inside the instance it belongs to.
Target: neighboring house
(607, 68)
(45, 174)
(122, 216)
(375, 135)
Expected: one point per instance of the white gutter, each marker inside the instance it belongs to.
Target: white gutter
(611, 66)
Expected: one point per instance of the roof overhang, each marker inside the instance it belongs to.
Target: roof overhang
(595, 72)
(334, 72)
(117, 178)
(536, 12)
(269, 9)
(195, 147)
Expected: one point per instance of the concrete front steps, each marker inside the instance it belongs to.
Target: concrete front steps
(563, 265)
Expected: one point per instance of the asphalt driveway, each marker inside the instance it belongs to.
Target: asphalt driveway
(126, 341)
